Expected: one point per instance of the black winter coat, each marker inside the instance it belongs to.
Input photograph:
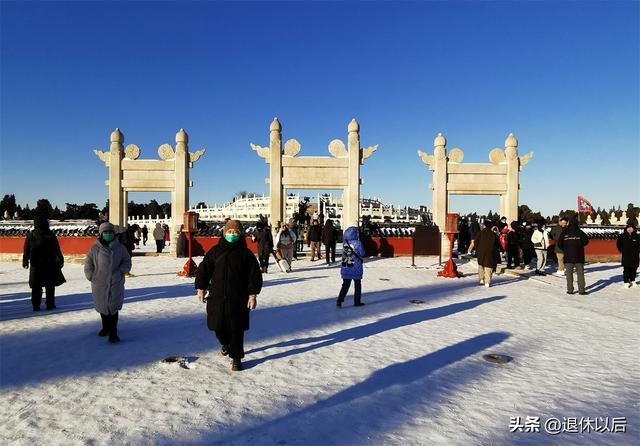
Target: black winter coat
(264, 239)
(42, 250)
(329, 234)
(485, 244)
(629, 246)
(315, 233)
(230, 272)
(572, 242)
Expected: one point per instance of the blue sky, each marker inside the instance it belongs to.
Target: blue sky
(562, 76)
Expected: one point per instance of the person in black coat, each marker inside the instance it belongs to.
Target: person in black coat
(464, 236)
(329, 238)
(42, 251)
(232, 275)
(315, 238)
(572, 242)
(628, 244)
(513, 252)
(485, 245)
(524, 240)
(262, 236)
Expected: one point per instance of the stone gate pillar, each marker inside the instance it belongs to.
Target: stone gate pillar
(440, 200)
(275, 174)
(180, 195)
(351, 200)
(513, 173)
(116, 205)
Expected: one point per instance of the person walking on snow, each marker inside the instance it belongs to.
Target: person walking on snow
(329, 238)
(105, 267)
(262, 236)
(628, 244)
(555, 236)
(540, 240)
(572, 242)
(42, 251)
(285, 242)
(232, 275)
(513, 253)
(158, 236)
(315, 237)
(145, 235)
(352, 254)
(485, 245)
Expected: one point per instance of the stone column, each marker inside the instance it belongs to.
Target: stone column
(503, 210)
(125, 210)
(351, 200)
(116, 214)
(275, 174)
(513, 186)
(180, 197)
(440, 192)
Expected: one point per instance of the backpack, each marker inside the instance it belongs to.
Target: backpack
(349, 255)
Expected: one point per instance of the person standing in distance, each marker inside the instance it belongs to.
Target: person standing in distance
(231, 274)
(42, 250)
(555, 235)
(572, 242)
(629, 246)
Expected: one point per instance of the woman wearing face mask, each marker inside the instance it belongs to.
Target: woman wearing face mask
(105, 267)
(232, 275)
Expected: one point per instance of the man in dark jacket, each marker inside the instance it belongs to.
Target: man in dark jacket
(315, 237)
(329, 238)
(262, 236)
(629, 246)
(42, 250)
(572, 242)
(526, 245)
(231, 273)
(464, 236)
(485, 243)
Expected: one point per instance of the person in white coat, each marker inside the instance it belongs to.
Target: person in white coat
(285, 243)
(540, 240)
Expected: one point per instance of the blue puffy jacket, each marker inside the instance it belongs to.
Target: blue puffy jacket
(351, 263)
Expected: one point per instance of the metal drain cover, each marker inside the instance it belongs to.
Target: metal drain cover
(416, 301)
(497, 359)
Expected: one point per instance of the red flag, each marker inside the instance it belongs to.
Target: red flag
(584, 205)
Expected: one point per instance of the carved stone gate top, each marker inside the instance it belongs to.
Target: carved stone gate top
(168, 174)
(340, 171)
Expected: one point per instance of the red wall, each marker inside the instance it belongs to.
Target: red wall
(385, 247)
(68, 245)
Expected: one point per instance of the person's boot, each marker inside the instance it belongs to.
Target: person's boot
(224, 350)
(236, 365)
(51, 304)
(339, 303)
(358, 304)
(105, 328)
(113, 335)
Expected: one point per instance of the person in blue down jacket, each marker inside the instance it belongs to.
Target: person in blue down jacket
(352, 254)
(105, 267)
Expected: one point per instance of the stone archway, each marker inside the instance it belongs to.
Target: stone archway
(450, 176)
(168, 174)
(339, 171)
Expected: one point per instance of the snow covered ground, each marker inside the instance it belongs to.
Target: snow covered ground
(391, 372)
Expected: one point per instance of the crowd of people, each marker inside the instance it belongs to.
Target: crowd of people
(230, 276)
(498, 243)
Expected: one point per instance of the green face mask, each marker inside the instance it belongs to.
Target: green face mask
(108, 236)
(232, 238)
